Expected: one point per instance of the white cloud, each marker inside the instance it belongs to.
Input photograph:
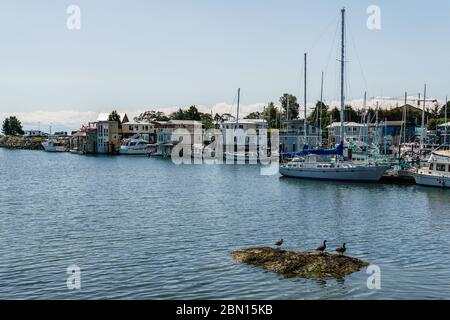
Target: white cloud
(72, 120)
(59, 120)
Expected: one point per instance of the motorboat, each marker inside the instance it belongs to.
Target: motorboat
(136, 145)
(53, 145)
(437, 173)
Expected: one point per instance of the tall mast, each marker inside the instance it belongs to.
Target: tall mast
(320, 111)
(342, 73)
(287, 109)
(306, 125)
(384, 136)
(376, 126)
(364, 119)
(402, 127)
(422, 135)
(238, 103)
(404, 117)
(446, 120)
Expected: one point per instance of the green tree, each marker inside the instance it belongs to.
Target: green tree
(190, 114)
(435, 111)
(218, 119)
(272, 115)
(114, 116)
(433, 123)
(442, 112)
(207, 120)
(291, 101)
(350, 114)
(335, 115)
(254, 116)
(315, 116)
(12, 126)
(151, 116)
(193, 114)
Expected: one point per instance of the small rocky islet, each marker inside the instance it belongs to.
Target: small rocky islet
(300, 264)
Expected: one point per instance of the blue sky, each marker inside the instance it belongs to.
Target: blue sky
(136, 55)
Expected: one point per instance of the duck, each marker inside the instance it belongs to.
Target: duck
(323, 247)
(341, 250)
(279, 243)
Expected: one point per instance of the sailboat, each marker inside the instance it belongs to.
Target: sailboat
(327, 164)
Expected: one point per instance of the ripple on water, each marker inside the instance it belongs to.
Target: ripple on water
(144, 228)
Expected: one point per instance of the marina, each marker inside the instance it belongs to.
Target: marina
(238, 151)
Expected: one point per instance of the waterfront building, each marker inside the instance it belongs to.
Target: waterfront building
(243, 133)
(109, 133)
(165, 139)
(34, 133)
(147, 130)
(84, 141)
(108, 137)
(353, 132)
(443, 132)
(395, 128)
(292, 135)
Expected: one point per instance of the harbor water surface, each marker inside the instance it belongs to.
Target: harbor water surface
(142, 228)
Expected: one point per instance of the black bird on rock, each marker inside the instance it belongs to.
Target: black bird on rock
(341, 250)
(279, 243)
(323, 247)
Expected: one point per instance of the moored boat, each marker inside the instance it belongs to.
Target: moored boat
(314, 167)
(136, 145)
(52, 145)
(437, 173)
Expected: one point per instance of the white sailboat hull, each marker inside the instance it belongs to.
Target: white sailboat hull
(358, 173)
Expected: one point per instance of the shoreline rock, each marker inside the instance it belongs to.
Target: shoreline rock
(21, 143)
(303, 264)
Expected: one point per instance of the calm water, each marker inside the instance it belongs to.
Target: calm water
(143, 228)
